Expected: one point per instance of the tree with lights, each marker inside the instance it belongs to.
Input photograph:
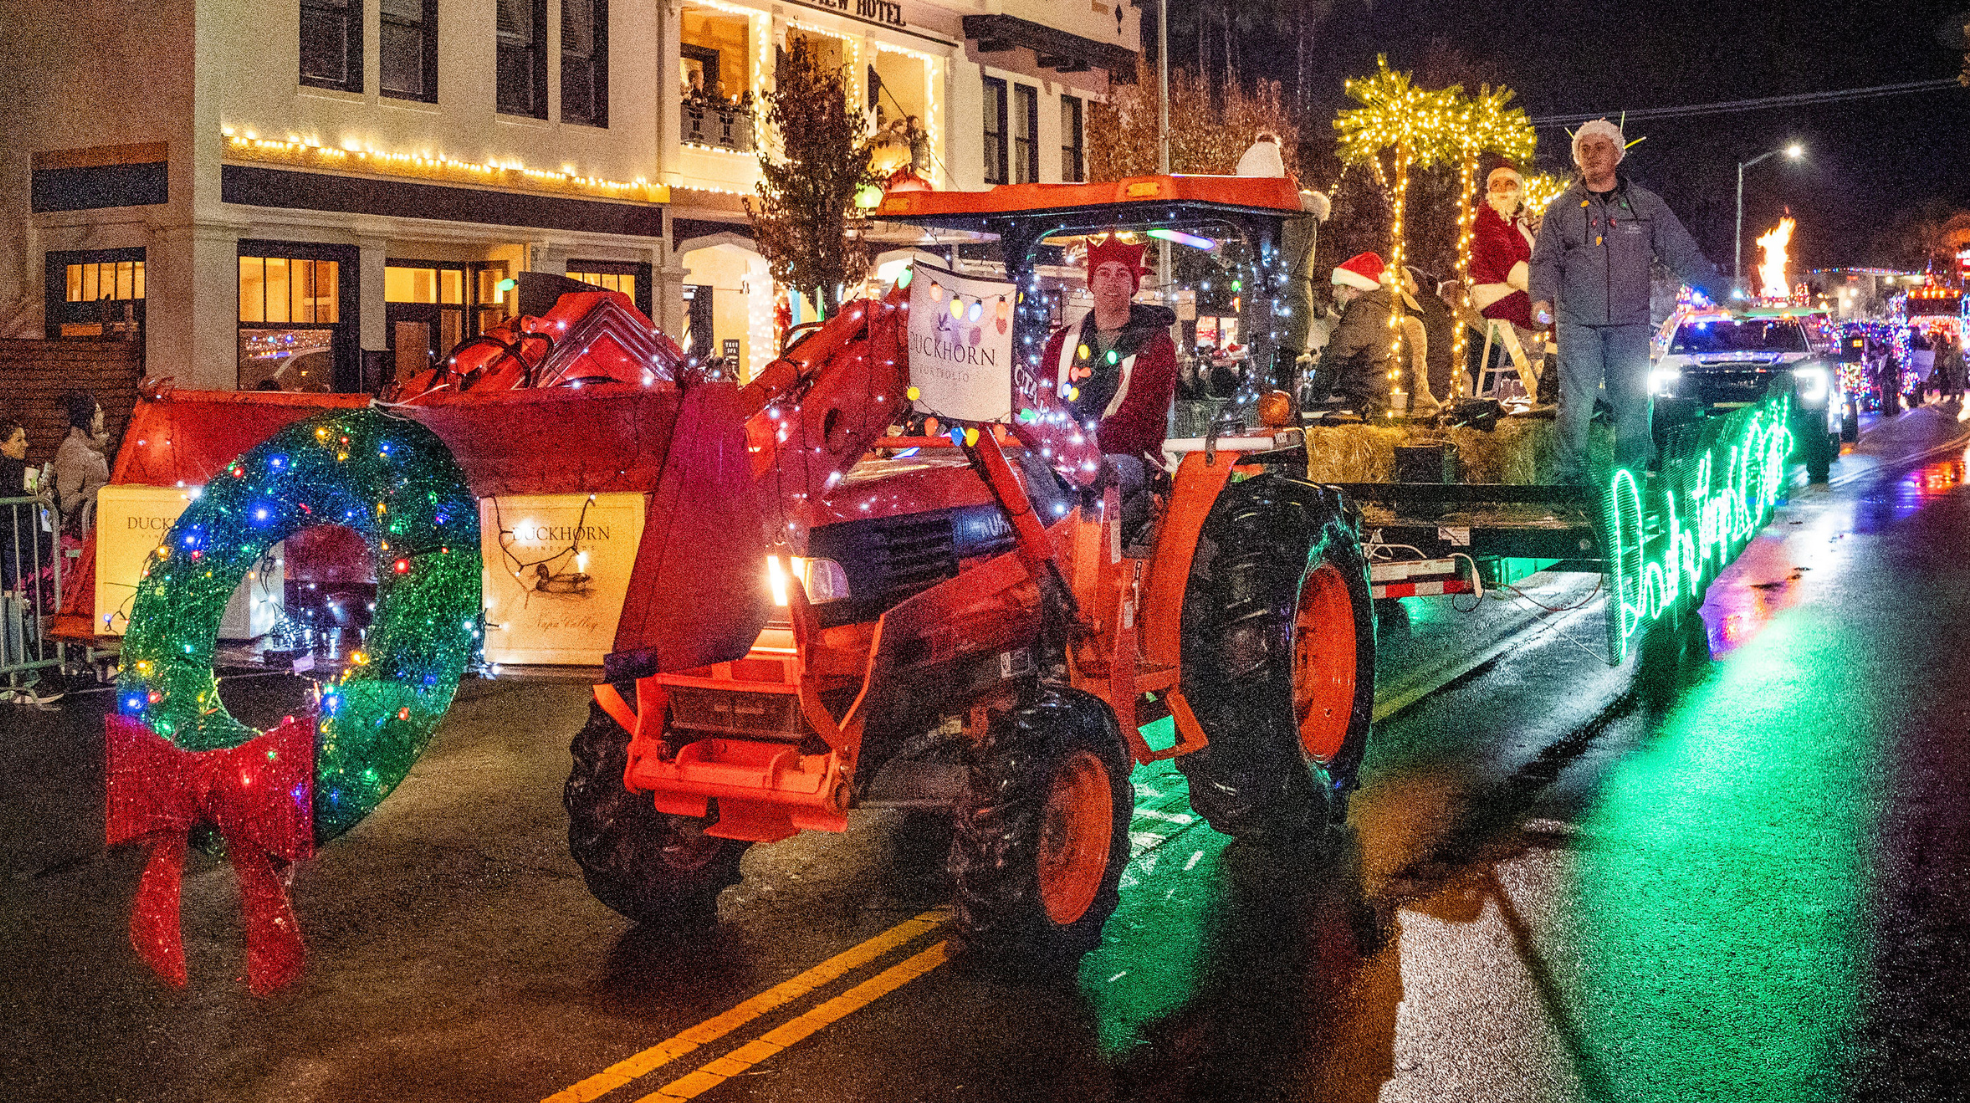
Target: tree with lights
(1479, 124)
(1410, 125)
(804, 217)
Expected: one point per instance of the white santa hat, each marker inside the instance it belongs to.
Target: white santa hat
(1509, 170)
(1362, 270)
(1606, 130)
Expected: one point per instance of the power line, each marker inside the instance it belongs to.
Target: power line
(1758, 104)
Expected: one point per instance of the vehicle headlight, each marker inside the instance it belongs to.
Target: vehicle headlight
(1663, 380)
(823, 579)
(1810, 381)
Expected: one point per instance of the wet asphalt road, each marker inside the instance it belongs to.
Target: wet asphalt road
(1739, 874)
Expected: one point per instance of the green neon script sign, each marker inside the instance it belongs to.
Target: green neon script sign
(1669, 535)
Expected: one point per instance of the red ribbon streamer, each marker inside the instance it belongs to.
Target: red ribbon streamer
(260, 797)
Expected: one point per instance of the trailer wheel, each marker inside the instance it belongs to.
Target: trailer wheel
(1042, 835)
(1278, 661)
(649, 866)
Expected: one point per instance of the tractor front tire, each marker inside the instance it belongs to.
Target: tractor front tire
(649, 866)
(1278, 661)
(1042, 836)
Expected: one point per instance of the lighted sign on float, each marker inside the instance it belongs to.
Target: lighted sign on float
(557, 568)
(131, 524)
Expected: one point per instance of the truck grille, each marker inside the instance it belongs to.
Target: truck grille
(1714, 385)
(726, 712)
(887, 559)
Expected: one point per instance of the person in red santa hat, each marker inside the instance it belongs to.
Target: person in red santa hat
(1116, 367)
(1501, 249)
(1354, 367)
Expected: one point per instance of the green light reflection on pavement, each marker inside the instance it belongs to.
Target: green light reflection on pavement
(1723, 876)
(1153, 952)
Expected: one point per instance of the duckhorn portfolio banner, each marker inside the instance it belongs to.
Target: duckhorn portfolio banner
(961, 345)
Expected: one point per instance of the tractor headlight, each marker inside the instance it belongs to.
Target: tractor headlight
(823, 579)
(1810, 381)
(1663, 380)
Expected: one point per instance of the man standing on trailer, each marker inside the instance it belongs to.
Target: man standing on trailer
(1592, 258)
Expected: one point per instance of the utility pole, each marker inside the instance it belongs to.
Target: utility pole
(1163, 273)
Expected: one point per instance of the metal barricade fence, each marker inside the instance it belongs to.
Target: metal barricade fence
(30, 589)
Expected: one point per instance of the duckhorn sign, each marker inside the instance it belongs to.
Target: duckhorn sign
(961, 345)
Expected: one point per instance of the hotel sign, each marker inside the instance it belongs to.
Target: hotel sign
(885, 13)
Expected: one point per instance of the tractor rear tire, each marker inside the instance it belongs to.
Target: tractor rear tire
(1042, 836)
(1278, 661)
(649, 866)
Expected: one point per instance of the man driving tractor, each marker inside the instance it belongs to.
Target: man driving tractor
(1115, 370)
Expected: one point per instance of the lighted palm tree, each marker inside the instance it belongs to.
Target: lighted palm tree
(1411, 124)
(1480, 124)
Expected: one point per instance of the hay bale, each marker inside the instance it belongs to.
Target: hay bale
(1521, 451)
(1354, 453)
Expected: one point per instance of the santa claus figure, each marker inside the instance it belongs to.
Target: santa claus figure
(1501, 247)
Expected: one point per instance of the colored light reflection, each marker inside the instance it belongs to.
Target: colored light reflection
(1722, 882)
(1151, 962)
(1891, 502)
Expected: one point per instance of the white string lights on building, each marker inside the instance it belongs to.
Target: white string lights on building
(310, 153)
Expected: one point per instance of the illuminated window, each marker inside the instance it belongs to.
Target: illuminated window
(89, 283)
(624, 282)
(403, 284)
(631, 279)
(289, 289)
(94, 293)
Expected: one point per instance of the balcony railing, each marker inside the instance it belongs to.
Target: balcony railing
(721, 126)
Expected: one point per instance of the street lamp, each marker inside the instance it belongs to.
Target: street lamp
(1792, 153)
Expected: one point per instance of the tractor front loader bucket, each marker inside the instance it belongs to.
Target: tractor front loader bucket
(696, 595)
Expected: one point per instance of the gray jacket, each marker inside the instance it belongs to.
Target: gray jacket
(1592, 257)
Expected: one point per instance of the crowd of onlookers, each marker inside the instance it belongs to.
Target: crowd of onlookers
(40, 510)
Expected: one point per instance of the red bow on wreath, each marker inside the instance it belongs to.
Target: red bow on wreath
(260, 797)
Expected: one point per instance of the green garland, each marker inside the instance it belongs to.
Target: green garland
(395, 484)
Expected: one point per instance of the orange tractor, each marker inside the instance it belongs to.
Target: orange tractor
(963, 622)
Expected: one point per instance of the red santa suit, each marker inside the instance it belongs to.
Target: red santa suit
(1500, 251)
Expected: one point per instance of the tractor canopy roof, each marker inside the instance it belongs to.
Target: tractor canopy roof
(1031, 211)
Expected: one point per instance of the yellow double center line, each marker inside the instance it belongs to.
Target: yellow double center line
(717, 1072)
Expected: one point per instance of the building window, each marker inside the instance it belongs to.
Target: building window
(409, 49)
(297, 317)
(98, 293)
(995, 131)
(1025, 134)
(1073, 155)
(430, 307)
(522, 63)
(585, 62)
(628, 277)
(332, 44)
(624, 282)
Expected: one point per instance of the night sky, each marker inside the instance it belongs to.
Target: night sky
(1868, 163)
